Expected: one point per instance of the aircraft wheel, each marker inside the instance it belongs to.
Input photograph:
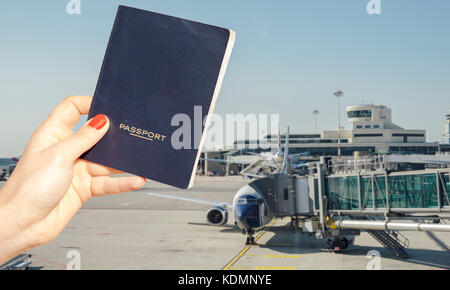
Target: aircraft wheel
(339, 244)
(291, 226)
(294, 224)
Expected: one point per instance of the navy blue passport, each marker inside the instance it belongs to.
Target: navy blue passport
(158, 67)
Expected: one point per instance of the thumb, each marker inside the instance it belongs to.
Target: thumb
(87, 136)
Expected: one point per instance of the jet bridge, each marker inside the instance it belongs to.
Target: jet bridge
(368, 188)
(371, 187)
(342, 196)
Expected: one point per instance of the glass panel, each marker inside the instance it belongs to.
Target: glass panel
(445, 189)
(360, 114)
(413, 191)
(429, 190)
(366, 192)
(342, 193)
(380, 191)
(397, 191)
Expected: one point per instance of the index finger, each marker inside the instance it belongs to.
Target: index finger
(69, 111)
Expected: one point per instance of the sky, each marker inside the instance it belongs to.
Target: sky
(288, 59)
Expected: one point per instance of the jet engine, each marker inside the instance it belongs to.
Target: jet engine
(217, 216)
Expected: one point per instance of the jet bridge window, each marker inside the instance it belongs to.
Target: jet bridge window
(446, 189)
(366, 192)
(413, 191)
(342, 193)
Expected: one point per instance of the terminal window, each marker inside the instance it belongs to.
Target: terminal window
(360, 114)
(368, 135)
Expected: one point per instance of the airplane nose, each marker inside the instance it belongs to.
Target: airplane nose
(248, 216)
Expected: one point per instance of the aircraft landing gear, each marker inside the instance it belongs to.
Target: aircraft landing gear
(294, 224)
(250, 237)
(339, 244)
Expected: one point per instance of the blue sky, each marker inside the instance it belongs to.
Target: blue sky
(289, 57)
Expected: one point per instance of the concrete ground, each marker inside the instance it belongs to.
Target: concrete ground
(138, 231)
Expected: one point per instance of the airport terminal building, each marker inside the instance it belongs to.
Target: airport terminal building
(372, 132)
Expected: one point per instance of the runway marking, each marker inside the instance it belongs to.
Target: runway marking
(282, 256)
(273, 268)
(240, 268)
(274, 256)
(227, 267)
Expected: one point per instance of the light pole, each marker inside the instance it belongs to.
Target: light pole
(315, 113)
(339, 95)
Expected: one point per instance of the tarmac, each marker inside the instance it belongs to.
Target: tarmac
(138, 231)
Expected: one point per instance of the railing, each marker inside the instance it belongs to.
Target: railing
(354, 165)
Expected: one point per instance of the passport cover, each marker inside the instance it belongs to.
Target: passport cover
(157, 66)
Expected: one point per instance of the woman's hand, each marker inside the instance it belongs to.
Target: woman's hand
(50, 183)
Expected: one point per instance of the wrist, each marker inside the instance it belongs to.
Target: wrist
(13, 239)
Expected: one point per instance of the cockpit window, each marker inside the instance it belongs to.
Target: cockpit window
(241, 201)
(246, 201)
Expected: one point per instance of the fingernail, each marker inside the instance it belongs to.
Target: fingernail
(98, 121)
(145, 179)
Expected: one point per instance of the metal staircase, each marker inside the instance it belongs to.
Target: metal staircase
(394, 241)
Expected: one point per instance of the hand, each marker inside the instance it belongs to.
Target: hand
(50, 183)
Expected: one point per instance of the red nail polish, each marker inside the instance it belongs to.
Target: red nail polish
(98, 121)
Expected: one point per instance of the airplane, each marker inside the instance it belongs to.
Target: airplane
(250, 212)
(250, 209)
(249, 206)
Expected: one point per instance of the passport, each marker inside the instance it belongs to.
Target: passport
(160, 75)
